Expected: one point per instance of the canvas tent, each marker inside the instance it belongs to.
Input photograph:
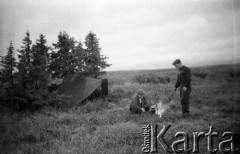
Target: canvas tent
(79, 89)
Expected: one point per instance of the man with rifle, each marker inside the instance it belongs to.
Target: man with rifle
(184, 82)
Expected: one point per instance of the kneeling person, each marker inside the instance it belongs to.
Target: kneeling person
(139, 103)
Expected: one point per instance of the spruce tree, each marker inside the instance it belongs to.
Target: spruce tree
(39, 69)
(25, 59)
(9, 64)
(78, 56)
(95, 62)
(62, 58)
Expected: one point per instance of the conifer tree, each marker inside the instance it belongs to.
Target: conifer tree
(61, 59)
(39, 69)
(25, 60)
(94, 61)
(78, 56)
(9, 64)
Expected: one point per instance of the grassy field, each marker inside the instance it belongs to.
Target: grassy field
(107, 126)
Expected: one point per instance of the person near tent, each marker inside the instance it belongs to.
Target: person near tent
(139, 103)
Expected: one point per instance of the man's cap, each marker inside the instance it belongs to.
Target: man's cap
(177, 61)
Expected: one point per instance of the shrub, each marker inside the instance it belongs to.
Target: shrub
(201, 75)
(50, 99)
(18, 100)
(234, 74)
(150, 78)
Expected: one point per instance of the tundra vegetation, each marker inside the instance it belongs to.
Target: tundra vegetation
(106, 125)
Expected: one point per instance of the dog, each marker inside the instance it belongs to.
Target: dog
(157, 109)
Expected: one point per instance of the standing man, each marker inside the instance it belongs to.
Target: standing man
(184, 82)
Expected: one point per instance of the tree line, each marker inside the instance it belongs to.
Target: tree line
(25, 82)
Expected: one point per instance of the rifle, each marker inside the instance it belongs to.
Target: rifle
(172, 95)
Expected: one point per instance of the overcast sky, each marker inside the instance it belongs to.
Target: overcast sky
(134, 34)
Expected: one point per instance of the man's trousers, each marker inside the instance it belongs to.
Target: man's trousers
(184, 97)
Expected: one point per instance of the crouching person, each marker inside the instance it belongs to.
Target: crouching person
(139, 103)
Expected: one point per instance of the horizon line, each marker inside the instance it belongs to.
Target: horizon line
(166, 68)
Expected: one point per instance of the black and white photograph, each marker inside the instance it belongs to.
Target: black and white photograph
(119, 76)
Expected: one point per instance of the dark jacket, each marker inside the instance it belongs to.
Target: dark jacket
(136, 102)
(184, 77)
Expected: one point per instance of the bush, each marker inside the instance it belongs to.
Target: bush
(150, 78)
(234, 74)
(13, 98)
(201, 75)
(17, 100)
(52, 99)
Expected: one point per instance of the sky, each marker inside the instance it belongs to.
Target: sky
(134, 34)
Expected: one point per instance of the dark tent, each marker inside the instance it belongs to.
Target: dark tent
(80, 89)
